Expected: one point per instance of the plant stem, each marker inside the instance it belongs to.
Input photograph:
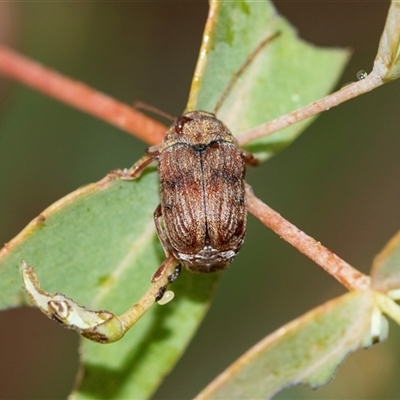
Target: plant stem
(80, 96)
(347, 275)
(372, 81)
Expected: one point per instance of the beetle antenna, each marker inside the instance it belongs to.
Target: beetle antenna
(148, 107)
(248, 61)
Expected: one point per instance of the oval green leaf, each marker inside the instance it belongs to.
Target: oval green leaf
(307, 350)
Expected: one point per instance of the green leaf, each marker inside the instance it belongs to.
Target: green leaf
(307, 350)
(385, 272)
(78, 241)
(288, 74)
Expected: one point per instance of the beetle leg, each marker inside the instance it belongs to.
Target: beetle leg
(163, 267)
(136, 170)
(160, 232)
(249, 159)
(166, 246)
(141, 165)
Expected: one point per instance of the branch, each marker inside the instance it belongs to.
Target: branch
(386, 69)
(80, 96)
(372, 81)
(347, 275)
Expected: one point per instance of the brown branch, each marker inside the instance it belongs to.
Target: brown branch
(347, 275)
(80, 96)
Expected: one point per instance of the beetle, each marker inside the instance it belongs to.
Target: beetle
(201, 171)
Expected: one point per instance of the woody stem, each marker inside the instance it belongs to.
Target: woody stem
(347, 275)
(80, 96)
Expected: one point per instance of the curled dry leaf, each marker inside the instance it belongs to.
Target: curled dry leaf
(387, 62)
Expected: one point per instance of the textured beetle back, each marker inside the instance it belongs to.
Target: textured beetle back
(202, 193)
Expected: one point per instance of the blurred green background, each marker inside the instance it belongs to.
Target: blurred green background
(339, 181)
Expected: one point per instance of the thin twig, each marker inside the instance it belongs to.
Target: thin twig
(372, 81)
(80, 96)
(347, 275)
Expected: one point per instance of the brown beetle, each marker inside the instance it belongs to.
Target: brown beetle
(201, 170)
